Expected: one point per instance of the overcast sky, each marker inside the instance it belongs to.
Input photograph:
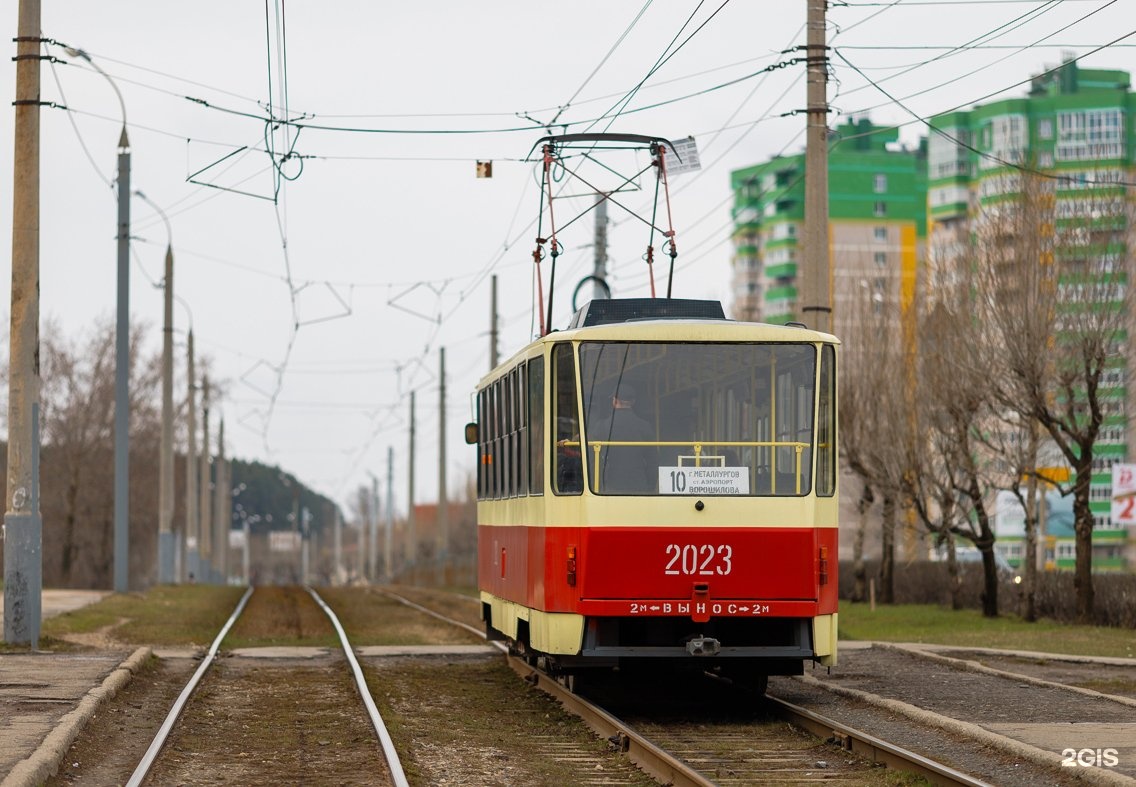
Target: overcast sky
(379, 245)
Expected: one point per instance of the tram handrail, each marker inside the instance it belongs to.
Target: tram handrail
(696, 445)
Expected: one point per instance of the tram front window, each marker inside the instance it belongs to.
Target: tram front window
(698, 419)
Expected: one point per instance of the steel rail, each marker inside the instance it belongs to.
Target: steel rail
(670, 770)
(159, 741)
(395, 765)
(872, 748)
(666, 768)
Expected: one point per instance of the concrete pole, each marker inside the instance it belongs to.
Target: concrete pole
(814, 296)
(121, 376)
(192, 524)
(493, 357)
(443, 502)
(411, 544)
(23, 560)
(245, 552)
(373, 528)
(296, 530)
(223, 504)
(388, 542)
(337, 555)
(599, 269)
(205, 481)
(305, 547)
(166, 542)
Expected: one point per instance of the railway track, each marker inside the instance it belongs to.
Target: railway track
(173, 755)
(696, 739)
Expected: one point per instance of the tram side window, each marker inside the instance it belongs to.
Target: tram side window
(536, 426)
(521, 439)
(826, 424)
(482, 445)
(568, 469)
(498, 458)
(507, 427)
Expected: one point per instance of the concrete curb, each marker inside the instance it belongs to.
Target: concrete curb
(974, 666)
(974, 732)
(45, 761)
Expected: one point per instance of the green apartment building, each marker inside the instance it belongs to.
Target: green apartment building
(1075, 125)
(877, 209)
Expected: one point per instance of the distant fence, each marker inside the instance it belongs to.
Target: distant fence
(925, 582)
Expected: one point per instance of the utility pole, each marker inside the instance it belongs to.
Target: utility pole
(337, 556)
(192, 524)
(815, 297)
(443, 501)
(373, 527)
(23, 559)
(121, 375)
(493, 358)
(411, 545)
(205, 560)
(305, 545)
(166, 543)
(599, 269)
(296, 525)
(223, 501)
(388, 542)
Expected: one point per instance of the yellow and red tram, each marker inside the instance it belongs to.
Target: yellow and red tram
(657, 482)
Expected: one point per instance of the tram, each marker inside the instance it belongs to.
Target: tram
(657, 484)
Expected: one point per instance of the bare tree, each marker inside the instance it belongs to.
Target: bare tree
(874, 401)
(78, 418)
(1055, 293)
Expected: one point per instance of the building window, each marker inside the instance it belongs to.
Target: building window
(1045, 129)
(880, 209)
(1045, 159)
(881, 184)
(880, 233)
(881, 258)
(1090, 134)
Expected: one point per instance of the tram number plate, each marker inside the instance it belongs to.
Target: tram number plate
(704, 560)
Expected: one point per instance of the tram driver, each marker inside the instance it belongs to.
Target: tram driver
(625, 469)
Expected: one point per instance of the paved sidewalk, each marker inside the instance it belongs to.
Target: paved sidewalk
(46, 698)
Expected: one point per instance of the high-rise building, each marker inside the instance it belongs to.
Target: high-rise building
(1074, 128)
(877, 205)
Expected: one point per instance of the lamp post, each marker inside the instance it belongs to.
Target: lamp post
(166, 542)
(122, 351)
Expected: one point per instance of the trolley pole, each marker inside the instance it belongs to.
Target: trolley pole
(815, 296)
(443, 501)
(23, 559)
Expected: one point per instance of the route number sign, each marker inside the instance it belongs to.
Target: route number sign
(686, 480)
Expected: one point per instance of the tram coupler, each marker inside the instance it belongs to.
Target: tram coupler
(703, 646)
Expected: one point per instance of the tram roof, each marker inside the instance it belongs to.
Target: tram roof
(673, 329)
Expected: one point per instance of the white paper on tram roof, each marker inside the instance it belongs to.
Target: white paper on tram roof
(686, 480)
(685, 157)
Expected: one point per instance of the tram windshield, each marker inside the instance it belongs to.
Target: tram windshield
(698, 418)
